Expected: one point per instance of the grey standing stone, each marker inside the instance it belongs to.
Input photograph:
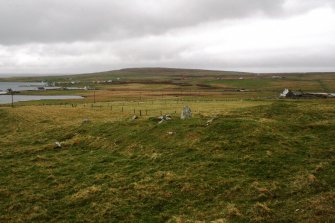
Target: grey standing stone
(186, 113)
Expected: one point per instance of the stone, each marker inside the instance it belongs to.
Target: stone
(86, 120)
(164, 118)
(210, 121)
(58, 145)
(186, 113)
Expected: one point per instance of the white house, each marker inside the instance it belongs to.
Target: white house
(285, 92)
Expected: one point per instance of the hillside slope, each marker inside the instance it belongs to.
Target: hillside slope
(133, 74)
(267, 163)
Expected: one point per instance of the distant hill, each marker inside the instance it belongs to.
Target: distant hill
(133, 74)
(164, 74)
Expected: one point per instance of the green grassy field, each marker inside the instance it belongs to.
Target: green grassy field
(243, 157)
(258, 161)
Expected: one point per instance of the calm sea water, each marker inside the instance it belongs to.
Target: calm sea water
(21, 86)
(28, 86)
(6, 99)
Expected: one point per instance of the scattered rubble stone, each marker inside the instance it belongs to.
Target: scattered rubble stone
(164, 118)
(210, 121)
(58, 145)
(86, 120)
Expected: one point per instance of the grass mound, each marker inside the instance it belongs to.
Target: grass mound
(268, 163)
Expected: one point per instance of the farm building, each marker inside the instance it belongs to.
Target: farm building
(291, 94)
(300, 94)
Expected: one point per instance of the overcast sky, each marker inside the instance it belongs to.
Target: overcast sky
(78, 36)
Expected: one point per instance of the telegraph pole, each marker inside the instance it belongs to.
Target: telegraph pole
(12, 94)
(94, 95)
(12, 99)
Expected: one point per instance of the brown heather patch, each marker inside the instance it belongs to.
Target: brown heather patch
(168, 176)
(321, 166)
(220, 221)
(4, 192)
(233, 211)
(177, 219)
(145, 187)
(261, 212)
(193, 136)
(320, 207)
(155, 156)
(35, 212)
(84, 193)
(187, 187)
(302, 181)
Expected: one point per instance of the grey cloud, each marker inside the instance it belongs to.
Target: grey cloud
(59, 36)
(100, 56)
(83, 20)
